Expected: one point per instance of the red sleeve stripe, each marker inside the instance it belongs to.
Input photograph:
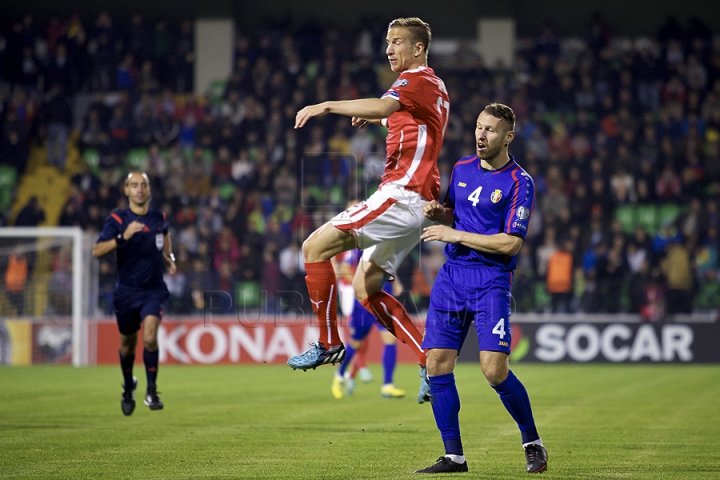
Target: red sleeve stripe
(515, 201)
(369, 217)
(458, 163)
(359, 210)
(117, 218)
(463, 162)
(452, 175)
(505, 167)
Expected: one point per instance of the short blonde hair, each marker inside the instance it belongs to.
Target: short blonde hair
(419, 30)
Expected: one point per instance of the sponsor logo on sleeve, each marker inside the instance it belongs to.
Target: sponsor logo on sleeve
(392, 94)
(523, 213)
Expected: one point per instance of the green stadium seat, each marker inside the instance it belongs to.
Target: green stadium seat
(247, 294)
(668, 213)
(8, 179)
(187, 154)
(625, 214)
(226, 191)
(318, 193)
(647, 216)
(542, 297)
(337, 196)
(552, 117)
(312, 69)
(708, 296)
(136, 158)
(217, 90)
(92, 158)
(625, 296)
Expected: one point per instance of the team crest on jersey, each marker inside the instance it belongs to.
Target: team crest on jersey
(159, 241)
(523, 213)
(496, 196)
(400, 82)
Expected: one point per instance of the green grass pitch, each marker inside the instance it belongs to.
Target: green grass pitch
(269, 422)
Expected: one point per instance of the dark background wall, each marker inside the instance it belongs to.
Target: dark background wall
(449, 18)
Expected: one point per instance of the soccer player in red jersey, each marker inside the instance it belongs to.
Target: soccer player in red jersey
(386, 226)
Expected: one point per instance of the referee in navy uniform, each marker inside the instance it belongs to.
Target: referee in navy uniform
(143, 249)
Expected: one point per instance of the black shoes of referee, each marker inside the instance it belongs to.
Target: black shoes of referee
(152, 400)
(128, 398)
(127, 403)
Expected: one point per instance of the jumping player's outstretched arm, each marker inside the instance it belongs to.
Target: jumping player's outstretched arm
(364, 108)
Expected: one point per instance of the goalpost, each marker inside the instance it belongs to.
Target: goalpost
(50, 292)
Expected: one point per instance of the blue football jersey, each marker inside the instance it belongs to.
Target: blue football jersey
(487, 203)
(140, 260)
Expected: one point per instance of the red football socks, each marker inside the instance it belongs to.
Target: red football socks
(359, 359)
(322, 286)
(393, 316)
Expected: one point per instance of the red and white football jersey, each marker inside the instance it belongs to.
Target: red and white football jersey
(416, 132)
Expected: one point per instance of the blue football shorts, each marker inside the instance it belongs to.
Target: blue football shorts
(132, 306)
(463, 294)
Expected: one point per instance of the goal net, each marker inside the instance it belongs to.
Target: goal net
(49, 292)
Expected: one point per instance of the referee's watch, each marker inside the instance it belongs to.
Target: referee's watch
(120, 240)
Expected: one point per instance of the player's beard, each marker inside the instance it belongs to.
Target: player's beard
(490, 153)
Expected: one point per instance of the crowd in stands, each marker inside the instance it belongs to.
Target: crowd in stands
(621, 135)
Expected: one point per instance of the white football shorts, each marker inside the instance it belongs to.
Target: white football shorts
(387, 225)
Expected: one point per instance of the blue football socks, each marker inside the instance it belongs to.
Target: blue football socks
(446, 408)
(515, 398)
(389, 359)
(349, 354)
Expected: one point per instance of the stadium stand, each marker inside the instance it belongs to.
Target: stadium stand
(618, 133)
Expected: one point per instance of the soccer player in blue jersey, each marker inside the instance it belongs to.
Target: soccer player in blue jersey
(143, 248)
(483, 221)
(360, 323)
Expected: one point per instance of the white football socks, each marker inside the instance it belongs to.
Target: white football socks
(456, 458)
(536, 442)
